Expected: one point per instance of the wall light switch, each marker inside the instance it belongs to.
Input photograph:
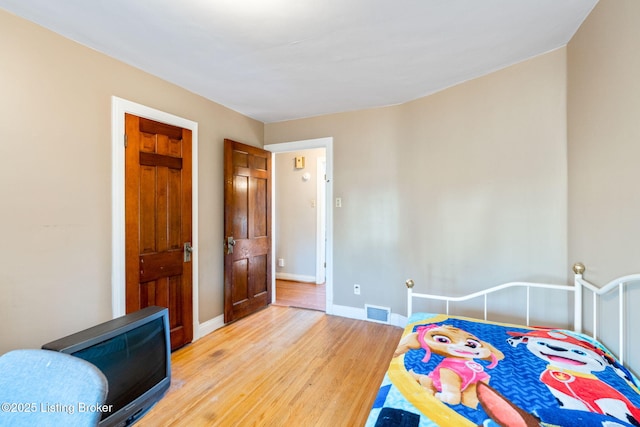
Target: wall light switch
(299, 162)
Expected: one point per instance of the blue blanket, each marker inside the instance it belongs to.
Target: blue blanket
(456, 371)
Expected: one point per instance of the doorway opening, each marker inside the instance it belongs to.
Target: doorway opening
(303, 222)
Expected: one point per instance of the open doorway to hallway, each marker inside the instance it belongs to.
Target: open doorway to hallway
(300, 294)
(290, 271)
(300, 231)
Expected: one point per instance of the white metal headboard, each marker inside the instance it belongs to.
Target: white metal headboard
(579, 287)
(618, 284)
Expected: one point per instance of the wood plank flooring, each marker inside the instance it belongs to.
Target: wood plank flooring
(282, 366)
(300, 294)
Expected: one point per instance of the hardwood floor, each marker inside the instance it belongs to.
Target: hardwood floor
(300, 294)
(282, 366)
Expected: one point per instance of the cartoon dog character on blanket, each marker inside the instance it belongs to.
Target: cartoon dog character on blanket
(569, 375)
(504, 413)
(455, 379)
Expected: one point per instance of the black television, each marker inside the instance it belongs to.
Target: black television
(134, 353)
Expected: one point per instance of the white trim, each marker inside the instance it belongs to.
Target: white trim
(119, 107)
(361, 314)
(296, 277)
(211, 325)
(321, 213)
(349, 312)
(327, 144)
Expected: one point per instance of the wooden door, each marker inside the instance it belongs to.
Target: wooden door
(247, 229)
(158, 222)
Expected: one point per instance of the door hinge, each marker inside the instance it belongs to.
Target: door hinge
(125, 140)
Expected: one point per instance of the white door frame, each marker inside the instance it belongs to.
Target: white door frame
(321, 214)
(119, 107)
(327, 144)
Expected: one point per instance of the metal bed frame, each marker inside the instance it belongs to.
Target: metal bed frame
(579, 288)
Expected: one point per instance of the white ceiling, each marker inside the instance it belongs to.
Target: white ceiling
(276, 60)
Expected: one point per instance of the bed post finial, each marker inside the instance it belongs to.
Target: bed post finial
(579, 268)
(409, 283)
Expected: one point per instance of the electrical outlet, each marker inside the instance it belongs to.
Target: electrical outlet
(356, 289)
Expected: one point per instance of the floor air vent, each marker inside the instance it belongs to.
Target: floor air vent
(377, 314)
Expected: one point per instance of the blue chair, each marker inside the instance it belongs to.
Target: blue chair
(48, 388)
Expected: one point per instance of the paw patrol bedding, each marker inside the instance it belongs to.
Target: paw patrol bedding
(457, 371)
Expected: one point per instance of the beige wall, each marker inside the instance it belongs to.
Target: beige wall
(604, 140)
(469, 181)
(604, 150)
(55, 146)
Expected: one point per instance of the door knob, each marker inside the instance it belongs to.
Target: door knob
(188, 249)
(230, 244)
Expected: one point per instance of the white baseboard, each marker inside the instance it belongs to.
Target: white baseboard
(360, 314)
(296, 277)
(346, 311)
(398, 320)
(210, 326)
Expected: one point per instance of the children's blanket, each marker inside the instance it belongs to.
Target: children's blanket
(456, 371)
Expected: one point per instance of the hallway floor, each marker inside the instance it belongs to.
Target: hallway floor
(300, 294)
